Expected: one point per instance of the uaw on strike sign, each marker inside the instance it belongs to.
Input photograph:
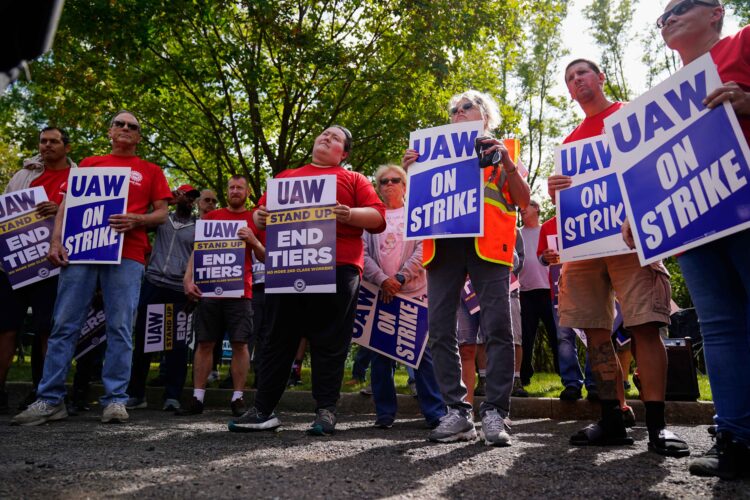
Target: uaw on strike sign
(94, 194)
(683, 168)
(24, 237)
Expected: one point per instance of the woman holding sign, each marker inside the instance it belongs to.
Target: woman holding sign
(718, 273)
(325, 319)
(487, 260)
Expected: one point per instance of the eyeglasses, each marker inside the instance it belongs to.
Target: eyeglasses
(465, 106)
(393, 180)
(680, 9)
(210, 200)
(123, 124)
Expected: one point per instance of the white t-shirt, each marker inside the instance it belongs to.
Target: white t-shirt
(391, 242)
(533, 275)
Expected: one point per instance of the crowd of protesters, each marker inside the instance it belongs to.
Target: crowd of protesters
(370, 246)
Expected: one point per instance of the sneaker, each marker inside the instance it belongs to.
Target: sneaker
(518, 390)
(30, 398)
(480, 389)
(383, 423)
(495, 429)
(238, 407)
(136, 404)
(171, 405)
(195, 408)
(413, 389)
(213, 377)
(324, 423)
(157, 381)
(366, 390)
(725, 459)
(253, 420)
(456, 425)
(40, 412)
(570, 393)
(114, 413)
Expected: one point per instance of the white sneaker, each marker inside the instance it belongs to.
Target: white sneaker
(456, 425)
(40, 412)
(495, 429)
(115, 412)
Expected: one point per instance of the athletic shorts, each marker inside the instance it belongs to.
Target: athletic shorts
(588, 287)
(215, 317)
(14, 305)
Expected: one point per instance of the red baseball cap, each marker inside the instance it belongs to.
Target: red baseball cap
(189, 190)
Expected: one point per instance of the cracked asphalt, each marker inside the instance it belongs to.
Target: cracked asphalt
(158, 455)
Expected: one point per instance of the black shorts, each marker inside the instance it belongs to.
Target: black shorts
(14, 304)
(214, 317)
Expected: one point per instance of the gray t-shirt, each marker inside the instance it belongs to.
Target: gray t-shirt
(533, 275)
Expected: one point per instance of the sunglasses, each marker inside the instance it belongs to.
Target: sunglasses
(393, 180)
(211, 200)
(680, 9)
(123, 124)
(465, 106)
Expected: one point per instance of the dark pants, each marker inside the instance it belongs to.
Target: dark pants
(327, 321)
(260, 327)
(175, 360)
(536, 305)
(362, 361)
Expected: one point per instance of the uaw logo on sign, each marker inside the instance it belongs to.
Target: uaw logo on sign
(219, 258)
(94, 194)
(397, 329)
(445, 194)
(590, 213)
(24, 237)
(165, 330)
(301, 235)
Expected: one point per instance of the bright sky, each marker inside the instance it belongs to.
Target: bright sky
(577, 39)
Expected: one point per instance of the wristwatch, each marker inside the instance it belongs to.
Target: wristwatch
(400, 278)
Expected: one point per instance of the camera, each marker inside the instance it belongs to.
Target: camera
(486, 160)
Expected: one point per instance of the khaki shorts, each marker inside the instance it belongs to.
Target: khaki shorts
(587, 291)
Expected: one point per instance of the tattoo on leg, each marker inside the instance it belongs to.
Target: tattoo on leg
(604, 368)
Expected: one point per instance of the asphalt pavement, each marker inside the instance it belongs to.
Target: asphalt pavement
(159, 455)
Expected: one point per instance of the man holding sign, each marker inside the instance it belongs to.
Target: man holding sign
(48, 170)
(216, 315)
(586, 300)
(488, 260)
(325, 319)
(120, 283)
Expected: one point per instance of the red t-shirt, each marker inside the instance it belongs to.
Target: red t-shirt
(353, 190)
(592, 126)
(147, 185)
(247, 215)
(549, 228)
(732, 57)
(52, 181)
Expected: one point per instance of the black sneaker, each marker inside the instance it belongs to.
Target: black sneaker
(324, 423)
(518, 391)
(238, 407)
(253, 420)
(725, 459)
(383, 423)
(570, 393)
(195, 408)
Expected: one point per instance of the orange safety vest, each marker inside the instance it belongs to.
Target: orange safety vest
(499, 238)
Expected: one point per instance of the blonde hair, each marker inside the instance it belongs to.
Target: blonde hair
(383, 169)
(487, 106)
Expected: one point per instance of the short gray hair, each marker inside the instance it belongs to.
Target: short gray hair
(487, 105)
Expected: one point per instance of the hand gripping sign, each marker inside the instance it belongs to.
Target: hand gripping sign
(219, 258)
(683, 169)
(94, 194)
(397, 329)
(445, 197)
(590, 213)
(24, 237)
(301, 235)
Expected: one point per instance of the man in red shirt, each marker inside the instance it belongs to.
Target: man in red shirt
(214, 316)
(325, 319)
(586, 300)
(49, 169)
(120, 283)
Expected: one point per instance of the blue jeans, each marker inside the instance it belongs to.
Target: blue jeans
(384, 391)
(361, 361)
(121, 284)
(570, 368)
(718, 278)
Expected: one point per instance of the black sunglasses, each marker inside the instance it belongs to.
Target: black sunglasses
(123, 124)
(680, 9)
(392, 180)
(465, 106)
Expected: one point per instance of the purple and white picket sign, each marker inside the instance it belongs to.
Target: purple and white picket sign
(94, 194)
(24, 237)
(219, 258)
(397, 329)
(301, 235)
(93, 332)
(166, 327)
